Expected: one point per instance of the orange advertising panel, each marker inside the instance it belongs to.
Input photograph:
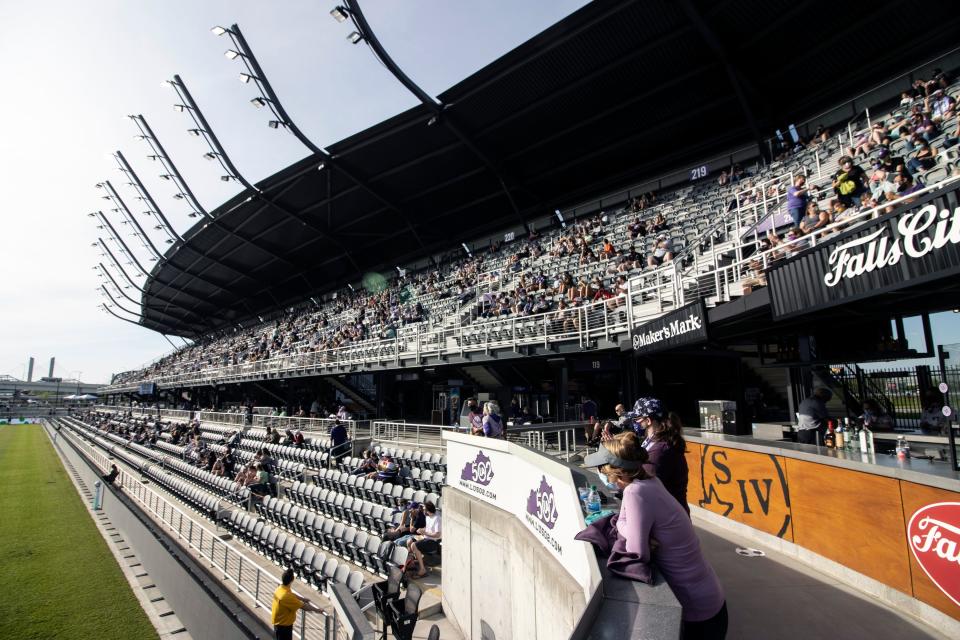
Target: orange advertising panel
(745, 486)
(832, 506)
(694, 486)
(932, 524)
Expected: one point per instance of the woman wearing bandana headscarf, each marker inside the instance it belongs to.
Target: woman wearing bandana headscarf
(662, 437)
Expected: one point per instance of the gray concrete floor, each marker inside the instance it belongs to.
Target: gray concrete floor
(777, 598)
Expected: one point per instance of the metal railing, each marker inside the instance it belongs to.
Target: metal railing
(558, 439)
(409, 434)
(241, 572)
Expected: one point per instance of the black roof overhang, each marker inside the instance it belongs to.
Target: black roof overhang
(614, 93)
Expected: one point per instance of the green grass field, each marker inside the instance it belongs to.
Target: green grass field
(58, 579)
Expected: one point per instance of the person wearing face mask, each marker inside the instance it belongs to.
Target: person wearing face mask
(662, 436)
(652, 529)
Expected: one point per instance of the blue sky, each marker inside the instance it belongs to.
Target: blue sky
(73, 70)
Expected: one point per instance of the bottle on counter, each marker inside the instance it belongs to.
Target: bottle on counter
(840, 436)
(862, 437)
(848, 434)
(830, 437)
(593, 500)
(903, 448)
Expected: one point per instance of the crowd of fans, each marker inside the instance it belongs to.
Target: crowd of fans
(590, 260)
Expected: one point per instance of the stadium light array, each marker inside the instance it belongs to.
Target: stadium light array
(232, 54)
(354, 37)
(339, 13)
(218, 31)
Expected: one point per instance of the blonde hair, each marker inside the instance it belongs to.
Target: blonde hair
(491, 407)
(626, 446)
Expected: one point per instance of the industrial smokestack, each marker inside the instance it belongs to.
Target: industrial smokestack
(30, 370)
(50, 375)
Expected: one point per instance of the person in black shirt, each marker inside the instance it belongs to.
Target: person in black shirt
(849, 182)
(110, 477)
(229, 461)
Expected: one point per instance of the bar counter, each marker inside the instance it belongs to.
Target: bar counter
(859, 510)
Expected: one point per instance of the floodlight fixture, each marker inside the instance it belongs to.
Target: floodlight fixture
(180, 108)
(274, 124)
(92, 214)
(339, 13)
(218, 31)
(153, 157)
(192, 214)
(178, 196)
(195, 132)
(166, 176)
(258, 102)
(227, 178)
(211, 155)
(354, 37)
(245, 78)
(321, 166)
(232, 54)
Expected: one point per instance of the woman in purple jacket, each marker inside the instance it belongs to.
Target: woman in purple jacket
(662, 435)
(656, 529)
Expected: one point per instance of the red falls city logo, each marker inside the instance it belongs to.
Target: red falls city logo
(934, 537)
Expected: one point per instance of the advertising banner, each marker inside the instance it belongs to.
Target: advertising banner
(685, 326)
(535, 489)
(917, 245)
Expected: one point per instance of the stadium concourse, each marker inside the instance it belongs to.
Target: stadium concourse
(465, 418)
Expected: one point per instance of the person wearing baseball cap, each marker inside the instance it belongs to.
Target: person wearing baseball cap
(662, 434)
(655, 528)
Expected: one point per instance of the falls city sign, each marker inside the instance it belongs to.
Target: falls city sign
(921, 232)
(934, 537)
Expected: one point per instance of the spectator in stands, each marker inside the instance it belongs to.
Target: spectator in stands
(387, 469)
(339, 438)
(368, 464)
(428, 538)
(273, 436)
(797, 199)
(475, 416)
(110, 477)
(662, 252)
(229, 461)
(812, 417)
(724, 179)
(298, 440)
(412, 518)
(283, 612)
(264, 458)
(816, 218)
(924, 159)
(217, 467)
(261, 487)
(662, 435)
(247, 475)
(590, 414)
(657, 530)
(849, 182)
(492, 422)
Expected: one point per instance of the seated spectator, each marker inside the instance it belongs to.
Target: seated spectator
(368, 464)
(264, 458)
(413, 518)
(924, 159)
(662, 252)
(387, 470)
(298, 440)
(816, 218)
(261, 486)
(427, 539)
(659, 223)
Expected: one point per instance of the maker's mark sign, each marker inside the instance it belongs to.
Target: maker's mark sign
(686, 325)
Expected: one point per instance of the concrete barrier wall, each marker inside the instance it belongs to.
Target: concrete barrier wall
(499, 581)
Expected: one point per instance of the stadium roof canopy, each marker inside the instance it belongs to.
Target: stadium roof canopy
(614, 93)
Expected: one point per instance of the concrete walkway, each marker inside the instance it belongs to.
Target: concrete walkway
(777, 598)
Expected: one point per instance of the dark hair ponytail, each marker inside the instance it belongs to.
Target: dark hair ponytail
(670, 430)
